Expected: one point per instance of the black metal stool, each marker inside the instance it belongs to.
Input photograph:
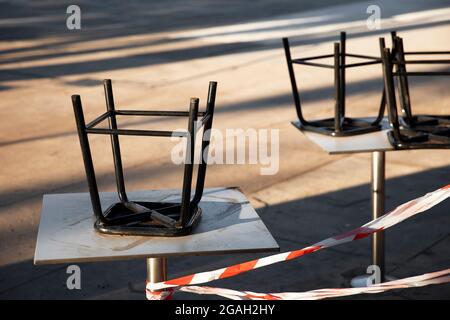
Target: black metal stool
(411, 131)
(340, 125)
(429, 123)
(140, 217)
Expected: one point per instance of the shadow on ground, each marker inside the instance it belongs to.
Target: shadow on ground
(115, 19)
(416, 246)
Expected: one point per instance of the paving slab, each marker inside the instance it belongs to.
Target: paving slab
(158, 57)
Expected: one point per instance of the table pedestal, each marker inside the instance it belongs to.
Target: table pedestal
(156, 270)
(378, 197)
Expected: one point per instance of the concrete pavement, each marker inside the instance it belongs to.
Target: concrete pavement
(160, 56)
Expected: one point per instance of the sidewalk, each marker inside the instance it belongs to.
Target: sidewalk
(162, 62)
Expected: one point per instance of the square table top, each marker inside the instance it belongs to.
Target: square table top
(368, 142)
(229, 224)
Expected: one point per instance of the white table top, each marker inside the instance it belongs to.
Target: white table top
(229, 224)
(368, 142)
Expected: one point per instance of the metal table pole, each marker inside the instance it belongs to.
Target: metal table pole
(377, 191)
(156, 270)
(378, 197)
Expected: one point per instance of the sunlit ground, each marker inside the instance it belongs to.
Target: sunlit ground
(158, 56)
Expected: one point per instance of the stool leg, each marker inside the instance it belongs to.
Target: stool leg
(87, 157)
(294, 87)
(342, 82)
(337, 89)
(115, 141)
(185, 214)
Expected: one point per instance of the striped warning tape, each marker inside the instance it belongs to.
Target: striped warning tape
(438, 277)
(386, 221)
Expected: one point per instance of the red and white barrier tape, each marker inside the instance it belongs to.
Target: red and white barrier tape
(386, 221)
(437, 277)
(159, 295)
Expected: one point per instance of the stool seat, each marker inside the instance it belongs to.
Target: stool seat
(152, 218)
(350, 126)
(146, 218)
